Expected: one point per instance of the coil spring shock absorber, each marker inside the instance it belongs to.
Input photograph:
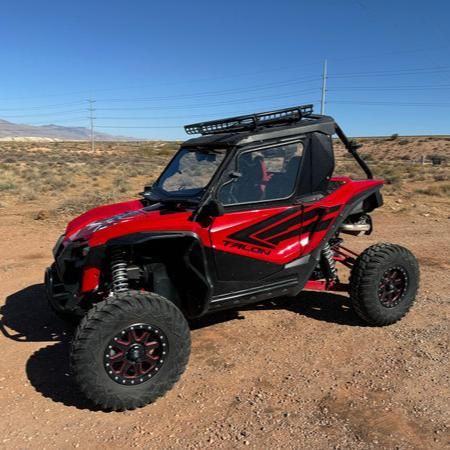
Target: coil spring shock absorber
(119, 275)
(329, 262)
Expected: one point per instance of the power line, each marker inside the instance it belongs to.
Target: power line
(219, 92)
(368, 102)
(265, 86)
(392, 73)
(242, 74)
(405, 88)
(238, 101)
(208, 105)
(182, 82)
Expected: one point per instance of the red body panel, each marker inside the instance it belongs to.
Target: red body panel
(101, 224)
(91, 278)
(340, 197)
(223, 228)
(101, 212)
(297, 232)
(276, 235)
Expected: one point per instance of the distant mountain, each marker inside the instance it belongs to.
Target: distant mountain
(14, 131)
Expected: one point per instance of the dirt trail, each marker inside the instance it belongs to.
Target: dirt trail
(296, 373)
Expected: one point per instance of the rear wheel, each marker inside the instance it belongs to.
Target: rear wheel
(129, 350)
(384, 283)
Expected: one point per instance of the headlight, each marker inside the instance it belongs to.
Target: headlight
(80, 249)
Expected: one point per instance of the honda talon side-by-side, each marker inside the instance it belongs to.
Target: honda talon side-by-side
(246, 212)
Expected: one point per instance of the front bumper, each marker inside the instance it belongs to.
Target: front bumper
(75, 272)
(57, 295)
(69, 260)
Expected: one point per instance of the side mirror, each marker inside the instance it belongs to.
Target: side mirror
(213, 209)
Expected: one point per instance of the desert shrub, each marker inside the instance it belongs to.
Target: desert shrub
(121, 184)
(56, 183)
(392, 178)
(367, 157)
(437, 158)
(28, 195)
(7, 185)
(77, 205)
(393, 137)
(132, 172)
(440, 190)
(440, 177)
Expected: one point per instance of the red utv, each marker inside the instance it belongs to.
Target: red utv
(246, 212)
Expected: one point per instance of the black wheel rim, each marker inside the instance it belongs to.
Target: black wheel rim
(135, 354)
(393, 286)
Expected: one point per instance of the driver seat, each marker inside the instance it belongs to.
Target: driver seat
(248, 187)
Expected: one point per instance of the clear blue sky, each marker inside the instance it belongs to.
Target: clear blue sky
(162, 64)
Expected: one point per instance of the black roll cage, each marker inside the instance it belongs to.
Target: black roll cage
(272, 127)
(280, 123)
(352, 148)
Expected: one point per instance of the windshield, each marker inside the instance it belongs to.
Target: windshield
(189, 172)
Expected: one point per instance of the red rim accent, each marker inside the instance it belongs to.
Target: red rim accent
(135, 354)
(393, 286)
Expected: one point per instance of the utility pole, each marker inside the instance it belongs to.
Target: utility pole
(324, 87)
(91, 110)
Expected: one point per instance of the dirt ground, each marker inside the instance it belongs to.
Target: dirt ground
(294, 373)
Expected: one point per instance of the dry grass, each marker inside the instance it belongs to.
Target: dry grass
(440, 190)
(68, 178)
(77, 205)
(71, 178)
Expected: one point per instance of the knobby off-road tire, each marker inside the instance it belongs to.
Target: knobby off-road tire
(157, 356)
(384, 283)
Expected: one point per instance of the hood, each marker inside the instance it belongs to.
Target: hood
(103, 223)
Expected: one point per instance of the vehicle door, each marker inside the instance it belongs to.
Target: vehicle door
(259, 232)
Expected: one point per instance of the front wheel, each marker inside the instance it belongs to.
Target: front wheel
(129, 350)
(384, 283)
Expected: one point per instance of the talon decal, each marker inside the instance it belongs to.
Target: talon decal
(248, 248)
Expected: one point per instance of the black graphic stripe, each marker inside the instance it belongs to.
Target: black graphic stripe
(294, 233)
(312, 214)
(272, 231)
(324, 224)
(297, 220)
(333, 209)
(277, 226)
(311, 227)
(245, 234)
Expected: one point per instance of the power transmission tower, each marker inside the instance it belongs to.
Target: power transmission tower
(324, 87)
(91, 110)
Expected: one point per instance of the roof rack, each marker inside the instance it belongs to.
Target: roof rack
(251, 121)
